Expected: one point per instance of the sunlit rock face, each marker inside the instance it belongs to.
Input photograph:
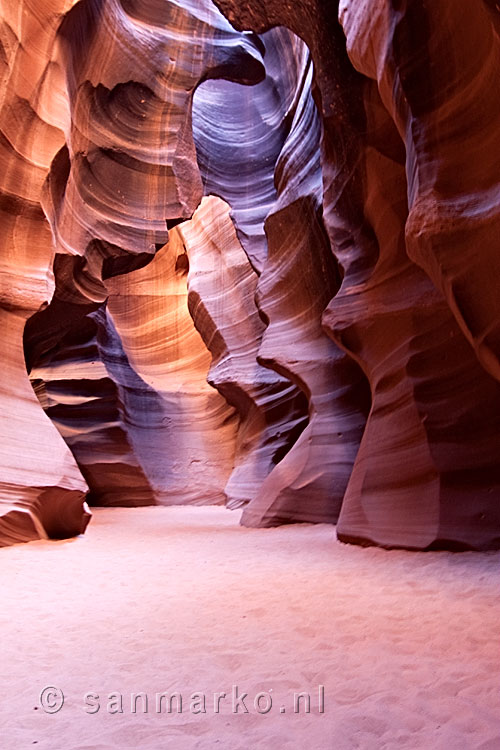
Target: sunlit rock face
(317, 338)
(98, 157)
(185, 439)
(150, 406)
(222, 288)
(41, 489)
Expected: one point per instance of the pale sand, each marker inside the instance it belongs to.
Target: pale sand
(407, 645)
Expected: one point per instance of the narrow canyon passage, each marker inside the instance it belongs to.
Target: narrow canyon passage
(256, 252)
(250, 375)
(184, 600)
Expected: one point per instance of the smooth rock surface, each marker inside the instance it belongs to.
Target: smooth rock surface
(222, 288)
(96, 137)
(427, 473)
(282, 294)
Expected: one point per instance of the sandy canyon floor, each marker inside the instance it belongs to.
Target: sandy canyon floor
(395, 649)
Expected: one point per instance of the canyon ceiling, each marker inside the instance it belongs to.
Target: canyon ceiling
(250, 254)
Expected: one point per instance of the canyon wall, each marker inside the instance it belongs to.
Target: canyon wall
(316, 339)
(409, 153)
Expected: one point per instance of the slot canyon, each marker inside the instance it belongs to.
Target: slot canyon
(250, 307)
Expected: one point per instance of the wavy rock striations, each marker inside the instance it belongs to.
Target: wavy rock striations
(41, 488)
(427, 473)
(239, 135)
(64, 351)
(222, 286)
(240, 132)
(96, 128)
(318, 339)
(298, 280)
(131, 71)
(185, 438)
(436, 65)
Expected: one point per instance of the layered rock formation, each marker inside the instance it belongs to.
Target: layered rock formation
(185, 438)
(41, 488)
(87, 405)
(96, 128)
(298, 279)
(240, 132)
(318, 339)
(222, 288)
(435, 68)
(298, 276)
(427, 473)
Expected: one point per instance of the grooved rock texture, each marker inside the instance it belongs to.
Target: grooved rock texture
(187, 443)
(281, 295)
(298, 279)
(222, 286)
(98, 161)
(400, 155)
(87, 407)
(436, 66)
(41, 489)
(240, 132)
